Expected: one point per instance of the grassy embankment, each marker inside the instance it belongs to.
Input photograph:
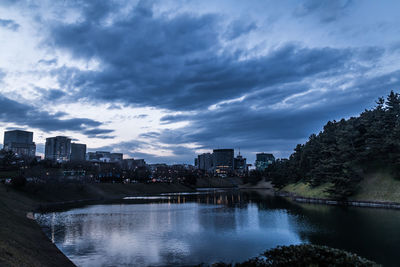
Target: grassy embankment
(22, 243)
(379, 187)
(305, 190)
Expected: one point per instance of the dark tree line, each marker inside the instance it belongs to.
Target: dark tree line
(8, 160)
(345, 150)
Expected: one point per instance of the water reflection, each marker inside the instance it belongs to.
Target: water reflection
(216, 226)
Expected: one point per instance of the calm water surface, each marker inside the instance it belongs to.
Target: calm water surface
(225, 226)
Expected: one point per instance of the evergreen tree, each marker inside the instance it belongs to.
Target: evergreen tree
(345, 150)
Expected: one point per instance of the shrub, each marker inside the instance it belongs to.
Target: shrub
(304, 255)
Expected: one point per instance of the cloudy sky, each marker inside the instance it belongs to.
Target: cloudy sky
(165, 80)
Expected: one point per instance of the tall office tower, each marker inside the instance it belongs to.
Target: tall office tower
(116, 157)
(140, 163)
(104, 156)
(58, 148)
(131, 164)
(205, 162)
(223, 161)
(263, 160)
(78, 152)
(240, 165)
(20, 142)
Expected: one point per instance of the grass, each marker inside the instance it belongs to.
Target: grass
(378, 186)
(22, 243)
(305, 190)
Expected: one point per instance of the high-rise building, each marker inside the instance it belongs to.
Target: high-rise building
(240, 165)
(20, 142)
(78, 152)
(140, 163)
(263, 160)
(104, 156)
(58, 148)
(92, 156)
(116, 157)
(205, 162)
(128, 164)
(223, 161)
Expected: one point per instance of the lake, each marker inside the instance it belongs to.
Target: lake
(207, 227)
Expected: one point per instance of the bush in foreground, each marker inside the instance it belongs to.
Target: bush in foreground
(304, 255)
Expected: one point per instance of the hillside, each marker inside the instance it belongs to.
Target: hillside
(379, 186)
(344, 158)
(22, 243)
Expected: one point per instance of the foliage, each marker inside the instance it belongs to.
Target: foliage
(379, 186)
(18, 181)
(141, 174)
(190, 179)
(345, 150)
(305, 190)
(304, 255)
(8, 160)
(254, 177)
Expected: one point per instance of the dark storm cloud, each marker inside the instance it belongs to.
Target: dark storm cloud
(327, 11)
(265, 128)
(150, 135)
(176, 63)
(9, 24)
(99, 133)
(238, 28)
(102, 136)
(29, 116)
(203, 81)
(16, 128)
(9, 2)
(183, 62)
(51, 94)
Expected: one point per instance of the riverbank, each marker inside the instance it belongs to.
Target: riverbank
(377, 190)
(22, 243)
(218, 182)
(260, 185)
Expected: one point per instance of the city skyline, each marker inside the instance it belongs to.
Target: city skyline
(181, 80)
(62, 149)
